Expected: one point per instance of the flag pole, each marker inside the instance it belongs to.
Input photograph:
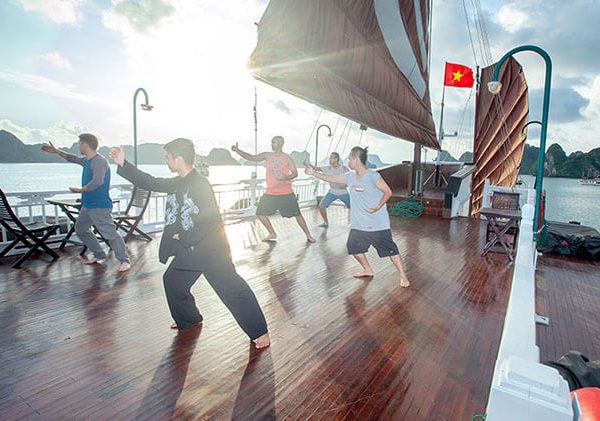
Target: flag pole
(436, 182)
(255, 131)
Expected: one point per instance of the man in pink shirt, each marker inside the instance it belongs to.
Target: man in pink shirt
(280, 196)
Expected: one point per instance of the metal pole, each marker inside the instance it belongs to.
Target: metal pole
(544, 131)
(317, 150)
(255, 126)
(317, 143)
(528, 123)
(135, 130)
(417, 182)
(147, 107)
(436, 181)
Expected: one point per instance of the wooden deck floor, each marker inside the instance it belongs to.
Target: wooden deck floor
(87, 343)
(568, 291)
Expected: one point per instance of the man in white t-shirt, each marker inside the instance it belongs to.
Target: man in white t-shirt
(370, 226)
(336, 191)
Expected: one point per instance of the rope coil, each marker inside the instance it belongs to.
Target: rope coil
(412, 207)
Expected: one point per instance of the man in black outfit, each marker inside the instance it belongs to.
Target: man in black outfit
(194, 235)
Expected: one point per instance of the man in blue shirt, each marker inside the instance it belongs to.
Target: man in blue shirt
(96, 204)
(336, 191)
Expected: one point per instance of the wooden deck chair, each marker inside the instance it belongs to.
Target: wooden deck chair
(507, 201)
(129, 220)
(31, 234)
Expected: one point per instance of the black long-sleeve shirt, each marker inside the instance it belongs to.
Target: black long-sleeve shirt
(191, 211)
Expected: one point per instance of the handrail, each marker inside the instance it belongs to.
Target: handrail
(236, 201)
(522, 388)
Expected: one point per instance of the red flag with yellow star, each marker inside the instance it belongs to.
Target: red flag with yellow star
(458, 76)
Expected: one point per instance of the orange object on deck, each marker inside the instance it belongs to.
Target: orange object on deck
(589, 401)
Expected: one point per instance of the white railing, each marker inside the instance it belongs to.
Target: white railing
(458, 192)
(489, 189)
(240, 200)
(522, 388)
(235, 201)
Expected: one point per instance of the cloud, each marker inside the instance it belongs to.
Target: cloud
(141, 15)
(580, 134)
(191, 57)
(568, 32)
(47, 86)
(511, 18)
(280, 105)
(61, 133)
(194, 67)
(65, 12)
(566, 104)
(55, 59)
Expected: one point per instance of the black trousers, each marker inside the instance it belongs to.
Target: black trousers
(231, 288)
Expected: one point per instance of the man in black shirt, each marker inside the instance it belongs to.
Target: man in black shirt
(195, 237)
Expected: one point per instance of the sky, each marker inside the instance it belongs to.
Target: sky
(72, 66)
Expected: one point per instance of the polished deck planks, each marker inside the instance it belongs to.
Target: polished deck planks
(88, 343)
(568, 291)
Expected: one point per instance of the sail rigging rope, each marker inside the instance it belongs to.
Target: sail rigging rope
(341, 135)
(347, 136)
(332, 136)
(313, 130)
(429, 29)
(464, 113)
(486, 55)
(497, 103)
(470, 35)
(482, 32)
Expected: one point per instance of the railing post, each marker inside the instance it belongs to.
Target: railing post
(485, 200)
(253, 184)
(316, 191)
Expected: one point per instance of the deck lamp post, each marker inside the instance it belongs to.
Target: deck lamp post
(145, 107)
(528, 123)
(317, 145)
(495, 86)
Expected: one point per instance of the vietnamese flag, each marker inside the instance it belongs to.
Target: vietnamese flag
(458, 76)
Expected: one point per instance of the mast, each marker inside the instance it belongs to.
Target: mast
(437, 174)
(441, 136)
(417, 174)
(440, 139)
(255, 131)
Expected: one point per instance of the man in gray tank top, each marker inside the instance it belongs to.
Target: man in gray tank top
(370, 224)
(336, 191)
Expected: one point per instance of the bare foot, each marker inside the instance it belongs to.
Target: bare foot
(124, 267)
(94, 261)
(310, 239)
(262, 341)
(174, 326)
(404, 282)
(363, 274)
(270, 238)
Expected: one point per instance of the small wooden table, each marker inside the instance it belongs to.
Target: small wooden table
(71, 208)
(501, 220)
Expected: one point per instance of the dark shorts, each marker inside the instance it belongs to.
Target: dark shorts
(286, 204)
(360, 241)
